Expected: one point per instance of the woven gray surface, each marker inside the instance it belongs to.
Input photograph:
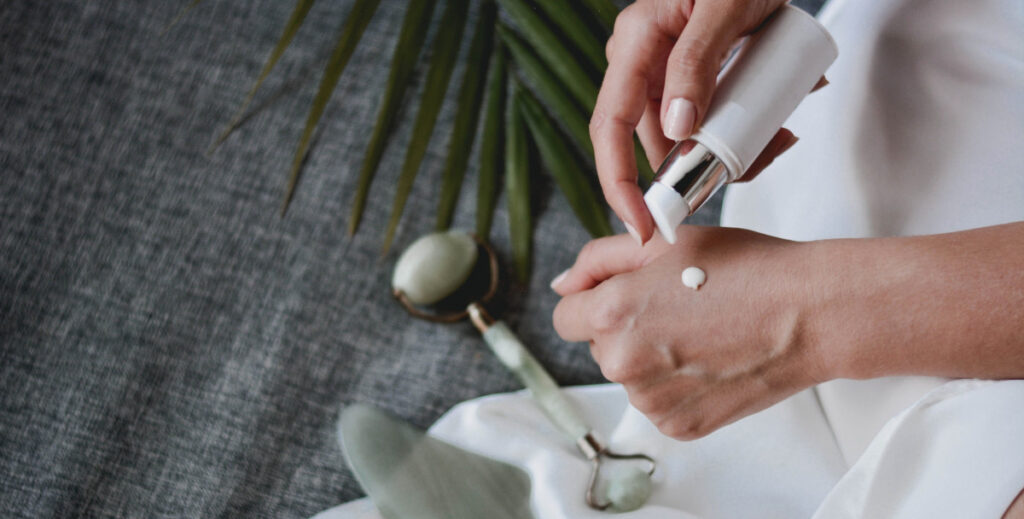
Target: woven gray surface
(170, 346)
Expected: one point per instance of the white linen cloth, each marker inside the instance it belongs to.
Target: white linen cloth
(956, 453)
(921, 131)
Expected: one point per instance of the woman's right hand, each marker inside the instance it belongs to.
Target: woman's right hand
(663, 60)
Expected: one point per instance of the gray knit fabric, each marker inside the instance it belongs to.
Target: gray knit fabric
(171, 347)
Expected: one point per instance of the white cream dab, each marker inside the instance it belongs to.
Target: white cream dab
(694, 277)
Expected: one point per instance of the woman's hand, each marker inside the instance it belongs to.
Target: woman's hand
(663, 59)
(694, 360)
(775, 316)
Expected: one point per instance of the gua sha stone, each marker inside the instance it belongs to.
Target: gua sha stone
(434, 266)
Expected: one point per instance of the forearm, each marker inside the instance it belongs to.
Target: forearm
(945, 305)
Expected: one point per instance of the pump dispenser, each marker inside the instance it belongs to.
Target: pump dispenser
(758, 90)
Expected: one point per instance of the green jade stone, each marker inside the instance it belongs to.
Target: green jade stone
(511, 352)
(434, 266)
(629, 489)
(410, 474)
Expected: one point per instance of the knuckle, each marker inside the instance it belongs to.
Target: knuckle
(696, 56)
(629, 19)
(588, 253)
(618, 368)
(680, 430)
(684, 426)
(610, 314)
(558, 319)
(646, 402)
(624, 365)
(610, 369)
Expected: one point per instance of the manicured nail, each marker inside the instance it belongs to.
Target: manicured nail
(789, 144)
(632, 232)
(559, 279)
(679, 119)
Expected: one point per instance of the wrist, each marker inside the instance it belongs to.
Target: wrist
(944, 305)
(804, 314)
(836, 302)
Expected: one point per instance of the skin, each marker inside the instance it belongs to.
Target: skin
(776, 317)
(1016, 510)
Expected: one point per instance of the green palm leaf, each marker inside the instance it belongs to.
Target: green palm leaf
(491, 146)
(294, 22)
(604, 10)
(549, 89)
(403, 62)
(576, 30)
(517, 185)
(348, 38)
(442, 62)
(558, 58)
(467, 114)
(564, 166)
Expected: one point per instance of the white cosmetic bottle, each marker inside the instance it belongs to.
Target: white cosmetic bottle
(758, 90)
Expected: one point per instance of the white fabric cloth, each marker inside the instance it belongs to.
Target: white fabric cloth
(955, 453)
(919, 132)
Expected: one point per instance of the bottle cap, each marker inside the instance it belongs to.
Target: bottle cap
(668, 209)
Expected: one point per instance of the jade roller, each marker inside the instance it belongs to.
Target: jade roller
(437, 265)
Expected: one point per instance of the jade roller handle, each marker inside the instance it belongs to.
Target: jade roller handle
(511, 352)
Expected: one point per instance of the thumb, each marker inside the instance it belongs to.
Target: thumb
(694, 62)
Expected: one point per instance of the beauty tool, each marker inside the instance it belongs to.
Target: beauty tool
(436, 266)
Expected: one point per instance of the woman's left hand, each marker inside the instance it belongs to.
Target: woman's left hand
(695, 360)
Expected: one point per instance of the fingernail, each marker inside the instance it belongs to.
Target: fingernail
(679, 119)
(559, 279)
(789, 144)
(632, 232)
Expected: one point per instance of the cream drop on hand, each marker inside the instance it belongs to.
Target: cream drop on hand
(694, 277)
(759, 88)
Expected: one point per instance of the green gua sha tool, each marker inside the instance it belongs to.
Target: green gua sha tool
(432, 269)
(408, 473)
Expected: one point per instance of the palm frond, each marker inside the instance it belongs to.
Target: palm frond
(348, 39)
(298, 16)
(549, 88)
(442, 62)
(564, 166)
(575, 29)
(467, 114)
(604, 10)
(491, 145)
(517, 185)
(403, 61)
(557, 56)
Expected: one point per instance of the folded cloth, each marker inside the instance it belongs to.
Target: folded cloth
(919, 132)
(955, 453)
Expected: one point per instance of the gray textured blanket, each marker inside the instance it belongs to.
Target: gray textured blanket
(170, 346)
